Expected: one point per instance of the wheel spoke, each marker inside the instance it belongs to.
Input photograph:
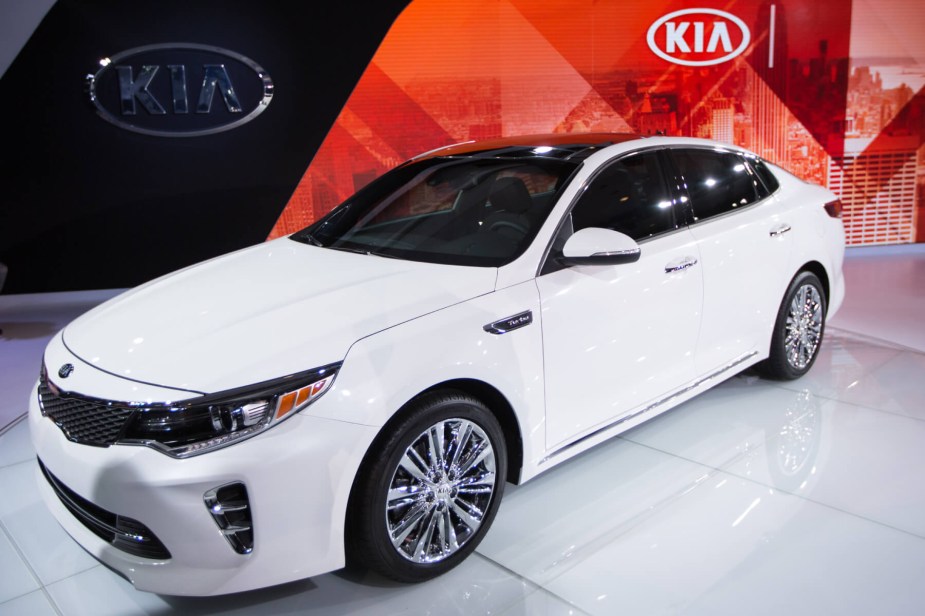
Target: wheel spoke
(408, 523)
(478, 484)
(413, 463)
(460, 441)
(487, 489)
(401, 497)
(435, 451)
(450, 543)
(482, 451)
(423, 540)
(469, 514)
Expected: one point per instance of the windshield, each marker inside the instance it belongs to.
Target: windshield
(461, 211)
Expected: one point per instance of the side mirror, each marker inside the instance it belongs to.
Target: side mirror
(596, 246)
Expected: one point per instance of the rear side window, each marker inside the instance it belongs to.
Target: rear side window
(628, 196)
(767, 176)
(717, 182)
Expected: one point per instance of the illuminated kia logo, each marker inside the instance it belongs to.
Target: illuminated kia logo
(179, 89)
(698, 37)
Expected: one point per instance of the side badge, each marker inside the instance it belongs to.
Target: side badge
(65, 370)
(507, 324)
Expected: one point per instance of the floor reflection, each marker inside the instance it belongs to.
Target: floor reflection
(800, 497)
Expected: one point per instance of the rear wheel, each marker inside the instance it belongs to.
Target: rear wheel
(429, 491)
(799, 329)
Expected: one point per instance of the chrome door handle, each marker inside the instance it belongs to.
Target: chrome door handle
(680, 264)
(779, 230)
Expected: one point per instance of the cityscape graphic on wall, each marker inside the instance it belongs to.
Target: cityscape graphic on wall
(830, 90)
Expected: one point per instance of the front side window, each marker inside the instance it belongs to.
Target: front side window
(461, 211)
(628, 196)
(717, 181)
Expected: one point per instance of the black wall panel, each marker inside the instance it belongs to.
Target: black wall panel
(86, 204)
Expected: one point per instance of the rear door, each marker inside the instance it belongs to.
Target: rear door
(743, 238)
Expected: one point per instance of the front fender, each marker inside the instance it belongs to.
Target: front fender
(382, 372)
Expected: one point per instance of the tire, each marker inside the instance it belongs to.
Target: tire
(798, 330)
(414, 515)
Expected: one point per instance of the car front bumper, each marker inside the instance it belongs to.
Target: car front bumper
(298, 477)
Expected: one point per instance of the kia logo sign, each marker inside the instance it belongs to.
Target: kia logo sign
(179, 90)
(698, 37)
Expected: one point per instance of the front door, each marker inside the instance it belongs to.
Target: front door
(618, 337)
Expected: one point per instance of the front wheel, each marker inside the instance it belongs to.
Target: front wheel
(429, 490)
(798, 330)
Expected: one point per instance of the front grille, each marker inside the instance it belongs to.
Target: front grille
(83, 420)
(126, 534)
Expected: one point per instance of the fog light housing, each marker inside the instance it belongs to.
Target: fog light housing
(231, 510)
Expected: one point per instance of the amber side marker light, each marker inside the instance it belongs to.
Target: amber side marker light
(298, 398)
(834, 208)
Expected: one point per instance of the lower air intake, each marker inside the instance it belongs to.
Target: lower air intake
(126, 534)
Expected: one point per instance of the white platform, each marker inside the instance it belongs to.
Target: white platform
(757, 497)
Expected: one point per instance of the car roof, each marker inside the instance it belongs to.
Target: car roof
(570, 146)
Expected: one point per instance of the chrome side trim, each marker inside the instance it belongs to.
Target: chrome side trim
(617, 253)
(649, 408)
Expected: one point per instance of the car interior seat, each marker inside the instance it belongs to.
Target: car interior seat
(510, 201)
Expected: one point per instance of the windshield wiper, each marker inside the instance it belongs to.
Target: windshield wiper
(362, 251)
(359, 251)
(308, 237)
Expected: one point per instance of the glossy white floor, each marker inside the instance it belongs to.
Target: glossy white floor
(758, 497)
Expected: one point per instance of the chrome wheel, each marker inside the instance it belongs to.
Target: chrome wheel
(429, 488)
(804, 327)
(798, 329)
(441, 491)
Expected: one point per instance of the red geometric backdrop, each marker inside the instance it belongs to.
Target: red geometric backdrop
(831, 90)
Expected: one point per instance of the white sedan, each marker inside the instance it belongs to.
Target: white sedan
(361, 391)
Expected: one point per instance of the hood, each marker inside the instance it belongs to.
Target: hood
(261, 313)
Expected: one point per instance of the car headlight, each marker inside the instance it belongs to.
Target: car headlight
(195, 426)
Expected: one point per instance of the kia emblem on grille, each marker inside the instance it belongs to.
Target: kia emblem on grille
(65, 370)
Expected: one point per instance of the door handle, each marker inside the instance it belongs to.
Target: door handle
(680, 264)
(779, 230)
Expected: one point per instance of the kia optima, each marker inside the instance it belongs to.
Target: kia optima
(362, 390)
